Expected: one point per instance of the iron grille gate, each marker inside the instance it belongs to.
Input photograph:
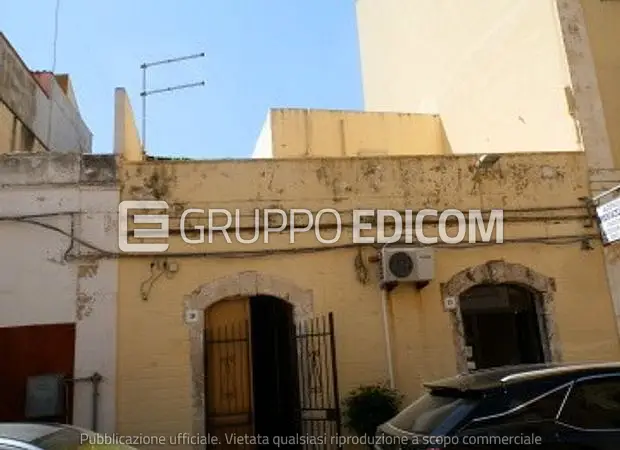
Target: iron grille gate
(318, 382)
(229, 385)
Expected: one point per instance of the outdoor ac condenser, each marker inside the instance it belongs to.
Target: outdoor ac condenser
(407, 265)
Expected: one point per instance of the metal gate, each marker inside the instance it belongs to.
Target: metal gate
(229, 386)
(318, 383)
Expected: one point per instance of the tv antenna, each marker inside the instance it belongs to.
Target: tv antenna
(146, 93)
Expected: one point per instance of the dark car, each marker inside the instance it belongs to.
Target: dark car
(550, 406)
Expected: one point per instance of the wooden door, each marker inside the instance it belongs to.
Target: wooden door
(228, 383)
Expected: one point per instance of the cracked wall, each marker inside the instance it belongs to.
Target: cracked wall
(43, 283)
(159, 351)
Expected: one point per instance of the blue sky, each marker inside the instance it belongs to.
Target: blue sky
(259, 54)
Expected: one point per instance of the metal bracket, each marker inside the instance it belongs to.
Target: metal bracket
(591, 209)
(388, 286)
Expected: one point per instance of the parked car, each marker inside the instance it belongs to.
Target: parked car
(556, 406)
(40, 436)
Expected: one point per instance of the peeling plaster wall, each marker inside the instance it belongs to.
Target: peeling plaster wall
(37, 286)
(590, 31)
(159, 384)
(602, 180)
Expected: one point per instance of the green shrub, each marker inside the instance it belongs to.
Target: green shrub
(367, 407)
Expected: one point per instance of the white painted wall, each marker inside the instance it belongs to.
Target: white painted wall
(494, 70)
(37, 286)
(264, 144)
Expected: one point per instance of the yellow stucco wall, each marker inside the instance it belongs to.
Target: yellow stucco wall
(602, 18)
(291, 133)
(126, 138)
(154, 375)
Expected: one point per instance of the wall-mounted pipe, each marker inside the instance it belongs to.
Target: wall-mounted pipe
(96, 380)
(385, 297)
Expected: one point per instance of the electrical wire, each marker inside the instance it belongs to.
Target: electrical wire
(53, 72)
(55, 45)
(546, 240)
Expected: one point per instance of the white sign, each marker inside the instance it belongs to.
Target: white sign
(609, 220)
(191, 316)
(449, 303)
(159, 219)
(471, 226)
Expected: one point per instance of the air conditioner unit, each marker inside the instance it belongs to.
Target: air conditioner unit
(407, 265)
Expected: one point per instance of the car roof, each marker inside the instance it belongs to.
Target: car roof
(489, 379)
(31, 432)
(14, 444)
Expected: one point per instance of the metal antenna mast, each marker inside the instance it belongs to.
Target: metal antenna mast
(146, 93)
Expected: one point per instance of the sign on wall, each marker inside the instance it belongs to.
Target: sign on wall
(609, 220)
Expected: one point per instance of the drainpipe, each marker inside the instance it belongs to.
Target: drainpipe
(97, 379)
(385, 297)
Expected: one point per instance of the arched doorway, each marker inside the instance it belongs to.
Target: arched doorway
(222, 312)
(250, 359)
(502, 326)
(500, 273)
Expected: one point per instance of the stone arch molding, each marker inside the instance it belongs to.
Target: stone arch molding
(502, 272)
(246, 283)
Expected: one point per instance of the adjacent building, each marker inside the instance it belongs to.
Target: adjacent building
(525, 75)
(57, 304)
(38, 110)
(303, 133)
(57, 311)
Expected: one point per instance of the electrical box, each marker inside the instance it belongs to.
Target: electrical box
(45, 396)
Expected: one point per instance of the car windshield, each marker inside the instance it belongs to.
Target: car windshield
(432, 414)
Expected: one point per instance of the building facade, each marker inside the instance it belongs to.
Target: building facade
(521, 76)
(186, 362)
(38, 110)
(57, 306)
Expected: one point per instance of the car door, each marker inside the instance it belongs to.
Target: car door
(530, 423)
(590, 417)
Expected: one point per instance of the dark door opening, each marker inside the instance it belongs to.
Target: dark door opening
(274, 368)
(502, 326)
